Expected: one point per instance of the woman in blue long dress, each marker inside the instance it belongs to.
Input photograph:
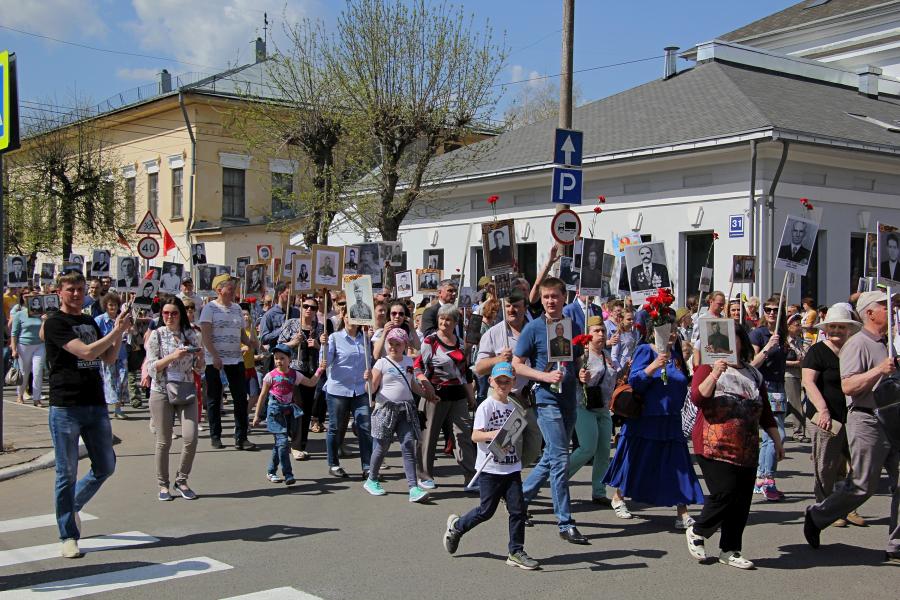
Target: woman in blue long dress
(652, 464)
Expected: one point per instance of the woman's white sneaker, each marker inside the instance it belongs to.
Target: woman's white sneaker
(621, 509)
(734, 559)
(695, 544)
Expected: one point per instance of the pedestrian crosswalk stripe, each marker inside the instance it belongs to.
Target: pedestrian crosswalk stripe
(35, 521)
(282, 593)
(117, 580)
(92, 544)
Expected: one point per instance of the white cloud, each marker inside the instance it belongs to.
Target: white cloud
(66, 19)
(209, 33)
(137, 74)
(517, 73)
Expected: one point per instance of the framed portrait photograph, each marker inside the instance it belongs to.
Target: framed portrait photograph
(577, 248)
(100, 263)
(301, 271)
(68, 267)
(503, 446)
(498, 242)
(403, 284)
(146, 292)
(371, 262)
(503, 284)
(327, 263)
(433, 258)
(47, 273)
(743, 268)
(393, 254)
(220, 269)
(255, 282)
(16, 272)
(205, 275)
(77, 258)
(871, 254)
(360, 300)
(198, 254)
(264, 252)
(127, 273)
(717, 341)
(170, 280)
(591, 267)
(567, 273)
(473, 330)
(35, 306)
(706, 275)
(428, 281)
(796, 246)
(50, 302)
(351, 260)
(287, 262)
(559, 340)
(241, 265)
(888, 243)
(466, 297)
(609, 267)
(647, 269)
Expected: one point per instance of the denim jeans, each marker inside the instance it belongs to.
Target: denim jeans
(407, 436)
(67, 424)
(339, 407)
(768, 462)
(556, 424)
(493, 488)
(281, 423)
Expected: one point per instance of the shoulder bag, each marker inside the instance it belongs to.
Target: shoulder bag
(14, 375)
(625, 402)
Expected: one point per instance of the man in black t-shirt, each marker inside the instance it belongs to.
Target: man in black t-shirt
(75, 349)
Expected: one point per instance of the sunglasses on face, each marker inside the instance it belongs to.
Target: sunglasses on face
(169, 313)
(310, 307)
(341, 303)
(398, 314)
(770, 309)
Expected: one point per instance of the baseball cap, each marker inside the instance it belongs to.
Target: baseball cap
(867, 298)
(502, 369)
(283, 348)
(221, 280)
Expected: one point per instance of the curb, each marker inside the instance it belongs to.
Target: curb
(44, 461)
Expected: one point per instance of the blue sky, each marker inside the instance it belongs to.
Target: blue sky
(208, 35)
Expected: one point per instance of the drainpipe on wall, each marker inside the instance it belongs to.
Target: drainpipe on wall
(187, 122)
(769, 245)
(751, 213)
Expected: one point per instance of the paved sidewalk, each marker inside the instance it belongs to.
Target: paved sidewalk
(26, 435)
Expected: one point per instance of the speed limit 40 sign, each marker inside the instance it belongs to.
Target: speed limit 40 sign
(148, 248)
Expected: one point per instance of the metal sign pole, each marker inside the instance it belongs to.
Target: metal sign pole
(3, 279)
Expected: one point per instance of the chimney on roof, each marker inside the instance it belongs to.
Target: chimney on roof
(868, 80)
(165, 82)
(260, 50)
(671, 69)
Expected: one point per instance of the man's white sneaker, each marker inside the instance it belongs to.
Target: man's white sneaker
(695, 544)
(70, 548)
(734, 559)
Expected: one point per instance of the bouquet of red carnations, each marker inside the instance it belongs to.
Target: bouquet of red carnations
(662, 320)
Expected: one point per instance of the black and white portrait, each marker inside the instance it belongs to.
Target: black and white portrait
(35, 306)
(370, 262)
(567, 273)
(743, 268)
(287, 263)
(466, 294)
(198, 254)
(433, 258)
(16, 273)
(351, 260)
(170, 280)
(241, 265)
(404, 284)
(127, 273)
(503, 446)
(302, 273)
(264, 252)
(360, 303)
(146, 292)
(796, 245)
(609, 265)
(647, 269)
(50, 302)
(706, 275)
(48, 272)
(498, 244)
(591, 267)
(100, 263)
(205, 275)
(888, 255)
(559, 340)
(427, 281)
(717, 340)
(327, 263)
(395, 254)
(255, 284)
(77, 258)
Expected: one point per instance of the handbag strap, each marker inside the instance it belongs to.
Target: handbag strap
(403, 375)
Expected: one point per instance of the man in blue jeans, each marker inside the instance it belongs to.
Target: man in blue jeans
(556, 410)
(75, 350)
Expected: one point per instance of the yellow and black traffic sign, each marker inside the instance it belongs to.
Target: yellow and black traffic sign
(9, 103)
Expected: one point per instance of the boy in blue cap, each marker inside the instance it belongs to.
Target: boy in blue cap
(282, 415)
(498, 479)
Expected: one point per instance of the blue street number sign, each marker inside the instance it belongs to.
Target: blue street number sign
(567, 144)
(736, 226)
(566, 186)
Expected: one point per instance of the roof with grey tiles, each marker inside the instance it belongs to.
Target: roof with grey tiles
(712, 100)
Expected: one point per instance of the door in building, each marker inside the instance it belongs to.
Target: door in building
(697, 247)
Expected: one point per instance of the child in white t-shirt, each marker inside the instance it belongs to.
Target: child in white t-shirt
(497, 479)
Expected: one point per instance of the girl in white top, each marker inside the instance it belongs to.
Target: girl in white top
(395, 385)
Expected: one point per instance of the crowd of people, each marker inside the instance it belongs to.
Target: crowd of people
(296, 365)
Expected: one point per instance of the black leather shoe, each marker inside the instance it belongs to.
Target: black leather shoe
(529, 519)
(244, 445)
(216, 443)
(810, 531)
(573, 536)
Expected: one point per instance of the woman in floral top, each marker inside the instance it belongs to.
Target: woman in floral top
(171, 356)
(733, 406)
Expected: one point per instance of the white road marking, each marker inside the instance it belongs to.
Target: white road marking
(92, 544)
(282, 593)
(117, 580)
(36, 521)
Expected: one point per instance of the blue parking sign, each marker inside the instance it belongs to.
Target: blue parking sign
(566, 186)
(736, 226)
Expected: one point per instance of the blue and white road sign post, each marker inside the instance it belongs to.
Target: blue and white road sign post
(567, 147)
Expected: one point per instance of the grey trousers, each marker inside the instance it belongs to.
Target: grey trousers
(162, 421)
(828, 460)
(457, 411)
(870, 451)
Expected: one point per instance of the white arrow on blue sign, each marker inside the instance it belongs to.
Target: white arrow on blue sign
(566, 186)
(567, 146)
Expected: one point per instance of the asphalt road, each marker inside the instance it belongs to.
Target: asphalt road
(327, 538)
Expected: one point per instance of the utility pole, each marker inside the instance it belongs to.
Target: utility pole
(565, 81)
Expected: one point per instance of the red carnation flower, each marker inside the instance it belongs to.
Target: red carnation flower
(654, 314)
(804, 201)
(597, 210)
(715, 235)
(582, 339)
(252, 300)
(493, 199)
(601, 199)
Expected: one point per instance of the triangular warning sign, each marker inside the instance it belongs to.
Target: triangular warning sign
(148, 225)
